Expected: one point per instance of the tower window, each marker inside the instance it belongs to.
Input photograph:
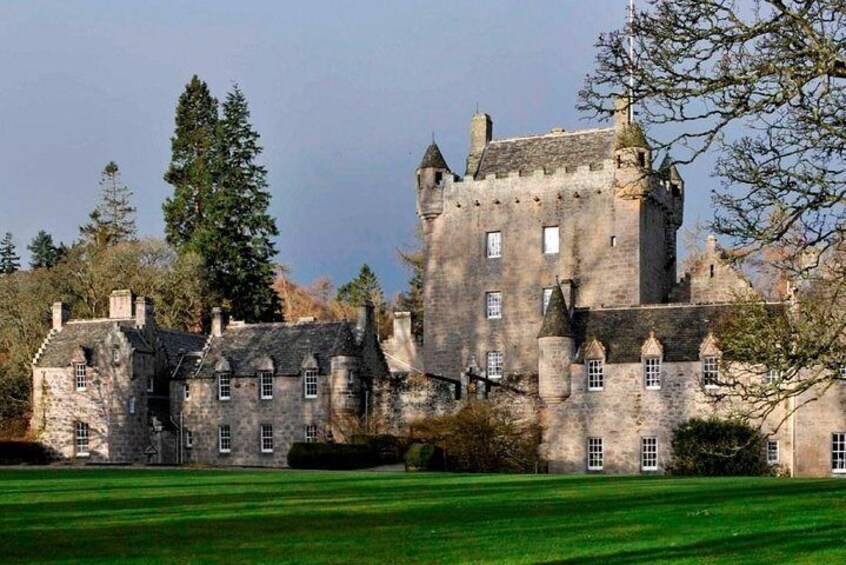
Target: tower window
(711, 270)
(641, 159)
(493, 305)
(493, 244)
(613, 241)
(550, 240)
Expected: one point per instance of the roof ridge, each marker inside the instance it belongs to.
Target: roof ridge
(552, 135)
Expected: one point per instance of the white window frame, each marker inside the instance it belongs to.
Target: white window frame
(310, 383)
(773, 452)
(649, 453)
(311, 433)
(186, 391)
(266, 438)
(710, 371)
(595, 454)
(494, 364)
(189, 439)
(224, 386)
(773, 376)
(265, 382)
(80, 376)
(551, 240)
(224, 439)
(493, 305)
(838, 452)
(131, 405)
(546, 296)
(151, 384)
(595, 375)
(652, 373)
(493, 244)
(81, 439)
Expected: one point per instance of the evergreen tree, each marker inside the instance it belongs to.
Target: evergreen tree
(9, 260)
(44, 253)
(113, 220)
(364, 287)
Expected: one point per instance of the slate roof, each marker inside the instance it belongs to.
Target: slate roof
(548, 152)
(178, 343)
(245, 347)
(556, 321)
(88, 334)
(433, 158)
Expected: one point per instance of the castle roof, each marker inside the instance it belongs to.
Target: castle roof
(88, 334)
(556, 321)
(548, 151)
(433, 159)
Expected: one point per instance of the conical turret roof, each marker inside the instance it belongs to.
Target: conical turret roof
(556, 321)
(630, 135)
(668, 169)
(433, 159)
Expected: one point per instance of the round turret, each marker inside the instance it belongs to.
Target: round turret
(431, 174)
(556, 346)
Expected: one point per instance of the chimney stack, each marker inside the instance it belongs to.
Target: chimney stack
(366, 317)
(120, 305)
(402, 326)
(217, 322)
(481, 133)
(145, 315)
(60, 315)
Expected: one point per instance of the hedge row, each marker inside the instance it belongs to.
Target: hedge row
(14, 452)
(331, 456)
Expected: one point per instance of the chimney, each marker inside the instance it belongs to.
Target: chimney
(402, 326)
(621, 112)
(217, 322)
(366, 317)
(145, 315)
(120, 305)
(481, 133)
(60, 315)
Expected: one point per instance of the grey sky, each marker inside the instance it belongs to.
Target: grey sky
(345, 95)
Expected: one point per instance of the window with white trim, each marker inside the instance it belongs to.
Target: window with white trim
(131, 405)
(186, 391)
(151, 384)
(842, 371)
(710, 371)
(80, 376)
(838, 452)
(189, 439)
(545, 298)
(350, 378)
(266, 438)
(81, 439)
(550, 240)
(652, 373)
(224, 386)
(494, 369)
(311, 433)
(224, 439)
(595, 375)
(265, 385)
(649, 453)
(115, 354)
(595, 458)
(493, 305)
(310, 383)
(773, 376)
(772, 451)
(493, 244)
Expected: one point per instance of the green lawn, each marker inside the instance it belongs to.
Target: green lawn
(192, 516)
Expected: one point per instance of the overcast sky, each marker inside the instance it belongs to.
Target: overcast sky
(346, 96)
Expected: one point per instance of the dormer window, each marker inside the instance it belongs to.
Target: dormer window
(224, 386)
(80, 376)
(710, 371)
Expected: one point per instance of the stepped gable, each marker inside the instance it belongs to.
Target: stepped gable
(63, 344)
(556, 321)
(549, 152)
(245, 346)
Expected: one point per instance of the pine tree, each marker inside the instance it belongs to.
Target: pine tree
(191, 170)
(113, 220)
(365, 287)
(9, 260)
(44, 253)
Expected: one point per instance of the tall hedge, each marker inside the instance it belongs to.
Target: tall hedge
(718, 448)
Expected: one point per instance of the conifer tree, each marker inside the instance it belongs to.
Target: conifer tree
(113, 220)
(9, 260)
(364, 287)
(44, 253)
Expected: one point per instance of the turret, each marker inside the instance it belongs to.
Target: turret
(481, 133)
(556, 346)
(430, 183)
(632, 154)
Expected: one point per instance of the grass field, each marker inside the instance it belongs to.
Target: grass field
(193, 516)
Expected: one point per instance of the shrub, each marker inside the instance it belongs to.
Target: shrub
(718, 448)
(424, 457)
(17, 452)
(331, 456)
(386, 449)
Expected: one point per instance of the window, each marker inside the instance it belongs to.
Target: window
(493, 244)
(311, 433)
(310, 383)
(151, 384)
(79, 373)
(652, 373)
(224, 439)
(710, 371)
(131, 405)
(596, 380)
(494, 364)
(115, 354)
(772, 452)
(189, 439)
(641, 159)
(186, 391)
(550, 240)
(838, 452)
(266, 385)
(350, 378)
(613, 241)
(649, 454)
(224, 386)
(493, 305)
(547, 294)
(843, 371)
(773, 376)
(595, 459)
(81, 440)
(266, 438)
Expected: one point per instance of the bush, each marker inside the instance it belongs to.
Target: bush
(424, 457)
(30, 452)
(386, 449)
(331, 456)
(718, 448)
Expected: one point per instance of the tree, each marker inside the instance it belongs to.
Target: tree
(44, 254)
(113, 220)
(9, 260)
(718, 448)
(362, 289)
(762, 86)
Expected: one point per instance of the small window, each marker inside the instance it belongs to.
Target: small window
(493, 305)
(613, 241)
(224, 439)
(773, 376)
(710, 371)
(493, 244)
(151, 384)
(115, 354)
(842, 371)
(772, 452)
(547, 295)
(494, 370)
(311, 433)
(595, 454)
(595, 376)
(81, 439)
(711, 270)
(266, 438)
(131, 405)
(439, 176)
(186, 391)
(550, 240)
(80, 376)
(350, 378)
(652, 373)
(266, 385)
(649, 454)
(224, 386)
(641, 159)
(310, 383)
(189, 439)
(838, 452)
